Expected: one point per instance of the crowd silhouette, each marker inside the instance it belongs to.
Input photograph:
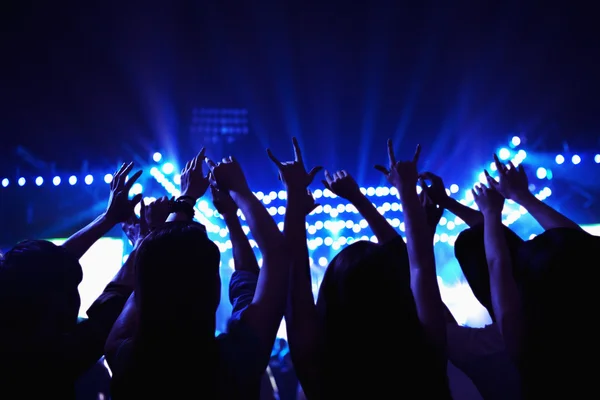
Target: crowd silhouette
(154, 324)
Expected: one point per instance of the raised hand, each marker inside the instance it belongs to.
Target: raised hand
(223, 202)
(120, 207)
(489, 200)
(157, 212)
(228, 175)
(513, 183)
(136, 228)
(437, 191)
(342, 184)
(401, 174)
(293, 173)
(193, 181)
(432, 210)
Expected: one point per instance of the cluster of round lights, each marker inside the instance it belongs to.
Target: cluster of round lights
(57, 180)
(575, 159)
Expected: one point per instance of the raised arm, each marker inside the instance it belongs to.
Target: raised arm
(514, 184)
(243, 282)
(268, 304)
(301, 315)
(120, 208)
(437, 193)
(152, 216)
(193, 186)
(430, 308)
(244, 258)
(505, 297)
(342, 184)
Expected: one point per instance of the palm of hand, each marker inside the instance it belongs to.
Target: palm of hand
(512, 185)
(132, 230)
(223, 202)
(229, 175)
(193, 181)
(490, 201)
(403, 173)
(345, 187)
(293, 173)
(157, 212)
(120, 207)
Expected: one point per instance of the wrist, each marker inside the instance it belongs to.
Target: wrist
(492, 215)
(106, 221)
(445, 201)
(406, 191)
(191, 200)
(525, 198)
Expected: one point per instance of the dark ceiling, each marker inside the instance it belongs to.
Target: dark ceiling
(103, 81)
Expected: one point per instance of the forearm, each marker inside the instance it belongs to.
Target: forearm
(467, 214)
(424, 286)
(418, 232)
(379, 225)
(243, 255)
(301, 315)
(505, 296)
(79, 243)
(269, 301)
(263, 227)
(545, 215)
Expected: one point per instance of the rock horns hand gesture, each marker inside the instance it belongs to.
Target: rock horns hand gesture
(293, 173)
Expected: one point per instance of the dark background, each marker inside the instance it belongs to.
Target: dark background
(85, 85)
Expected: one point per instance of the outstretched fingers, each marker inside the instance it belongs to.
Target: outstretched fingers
(297, 151)
(211, 164)
(415, 159)
(390, 150)
(274, 159)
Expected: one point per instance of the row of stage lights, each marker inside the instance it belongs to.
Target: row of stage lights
(168, 168)
(72, 180)
(341, 231)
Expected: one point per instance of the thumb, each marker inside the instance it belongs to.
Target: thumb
(382, 169)
(136, 199)
(313, 172)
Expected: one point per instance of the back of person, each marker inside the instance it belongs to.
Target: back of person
(480, 353)
(366, 295)
(560, 297)
(39, 304)
(171, 352)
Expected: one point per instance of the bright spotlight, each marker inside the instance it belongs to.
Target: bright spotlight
(597, 158)
(72, 180)
(39, 181)
(559, 159)
(56, 180)
(136, 189)
(21, 181)
(168, 168)
(5, 182)
(541, 173)
(575, 159)
(515, 141)
(108, 178)
(504, 154)
(157, 157)
(89, 179)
